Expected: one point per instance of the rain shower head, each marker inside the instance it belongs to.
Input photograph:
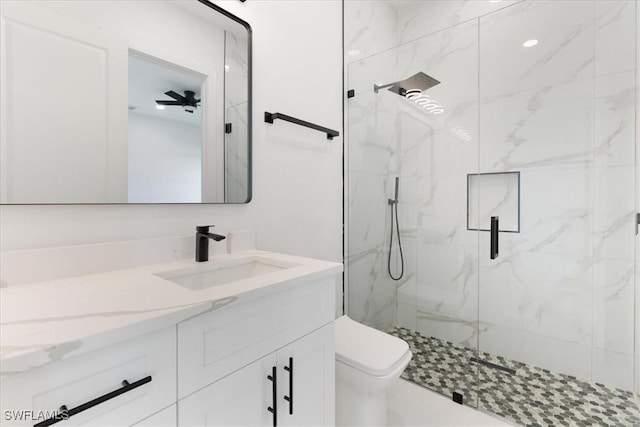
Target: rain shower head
(419, 81)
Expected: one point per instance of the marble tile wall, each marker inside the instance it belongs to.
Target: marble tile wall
(561, 295)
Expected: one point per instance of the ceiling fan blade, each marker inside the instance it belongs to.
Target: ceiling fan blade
(196, 100)
(176, 96)
(159, 102)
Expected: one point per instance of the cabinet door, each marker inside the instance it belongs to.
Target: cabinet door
(239, 399)
(164, 418)
(306, 380)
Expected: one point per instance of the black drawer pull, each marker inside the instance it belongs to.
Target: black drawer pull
(290, 397)
(274, 389)
(68, 413)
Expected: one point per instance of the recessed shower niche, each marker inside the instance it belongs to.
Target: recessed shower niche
(493, 194)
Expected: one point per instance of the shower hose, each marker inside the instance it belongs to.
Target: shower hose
(394, 210)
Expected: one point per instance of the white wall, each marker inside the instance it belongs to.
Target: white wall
(164, 160)
(297, 175)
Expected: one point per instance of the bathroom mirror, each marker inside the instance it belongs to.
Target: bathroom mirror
(139, 101)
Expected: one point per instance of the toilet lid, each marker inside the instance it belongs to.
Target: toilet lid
(367, 349)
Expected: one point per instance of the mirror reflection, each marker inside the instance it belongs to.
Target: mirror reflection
(103, 102)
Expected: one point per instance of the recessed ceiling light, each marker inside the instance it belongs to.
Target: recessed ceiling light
(530, 43)
(160, 107)
(226, 68)
(353, 52)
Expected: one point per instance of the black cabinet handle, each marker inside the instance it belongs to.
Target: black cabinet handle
(274, 390)
(290, 397)
(494, 251)
(68, 413)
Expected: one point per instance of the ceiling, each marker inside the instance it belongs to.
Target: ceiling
(149, 79)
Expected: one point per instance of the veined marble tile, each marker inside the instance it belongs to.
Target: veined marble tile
(565, 50)
(613, 306)
(449, 56)
(406, 290)
(614, 212)
(421, 18)
(448, 327)
(366, 303)
(379, 69)
(543, 294)
(615, 105)
(368, 211)
(615, 40)
(538, 350)
(406, 315)
(612, 369)
(413, 131)
(548, 127)
(372, 293)
(556, 213)
(370, 27)
(447, 280)
(407, 204)
(451, 146)
(372, 132)
(442, 210)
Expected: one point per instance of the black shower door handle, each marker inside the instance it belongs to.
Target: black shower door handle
(494, 251)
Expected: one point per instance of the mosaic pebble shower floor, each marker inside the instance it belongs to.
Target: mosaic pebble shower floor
(521, 393)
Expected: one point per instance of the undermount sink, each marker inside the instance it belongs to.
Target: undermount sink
(212, 273)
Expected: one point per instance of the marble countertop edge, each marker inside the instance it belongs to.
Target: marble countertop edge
(98, 310)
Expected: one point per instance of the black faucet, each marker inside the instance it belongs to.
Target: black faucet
(202, 242)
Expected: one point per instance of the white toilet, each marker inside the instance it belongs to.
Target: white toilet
(368, 362)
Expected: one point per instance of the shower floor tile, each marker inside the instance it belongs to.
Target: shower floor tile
(521, 393)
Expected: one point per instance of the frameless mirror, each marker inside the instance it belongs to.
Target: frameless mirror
(139, 101)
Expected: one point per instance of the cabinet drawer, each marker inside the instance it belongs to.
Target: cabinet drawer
(214, 344)
(81, 379)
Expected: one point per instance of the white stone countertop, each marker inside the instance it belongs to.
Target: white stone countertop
(48, 321)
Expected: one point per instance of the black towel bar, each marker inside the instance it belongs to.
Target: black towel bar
(270, 117)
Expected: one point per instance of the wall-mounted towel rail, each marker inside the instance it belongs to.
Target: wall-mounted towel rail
(270, 117)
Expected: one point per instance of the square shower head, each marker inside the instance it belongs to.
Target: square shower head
(420, 81)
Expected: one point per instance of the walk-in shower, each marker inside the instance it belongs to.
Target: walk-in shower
(543, 137)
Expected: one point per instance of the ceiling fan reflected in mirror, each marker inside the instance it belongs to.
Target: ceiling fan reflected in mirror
(188, 101)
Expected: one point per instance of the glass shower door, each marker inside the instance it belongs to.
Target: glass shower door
(557, 163)
(430, 143)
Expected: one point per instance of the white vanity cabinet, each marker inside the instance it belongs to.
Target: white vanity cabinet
(77, 381)
(256, 351)
(225, 358)
(297, 380)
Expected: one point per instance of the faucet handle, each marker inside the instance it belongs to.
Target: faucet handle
(203, 228)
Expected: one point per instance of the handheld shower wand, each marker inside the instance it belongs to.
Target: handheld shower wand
(394, 201)
(394, 209)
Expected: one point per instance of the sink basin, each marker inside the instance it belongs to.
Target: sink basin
(210, 274)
